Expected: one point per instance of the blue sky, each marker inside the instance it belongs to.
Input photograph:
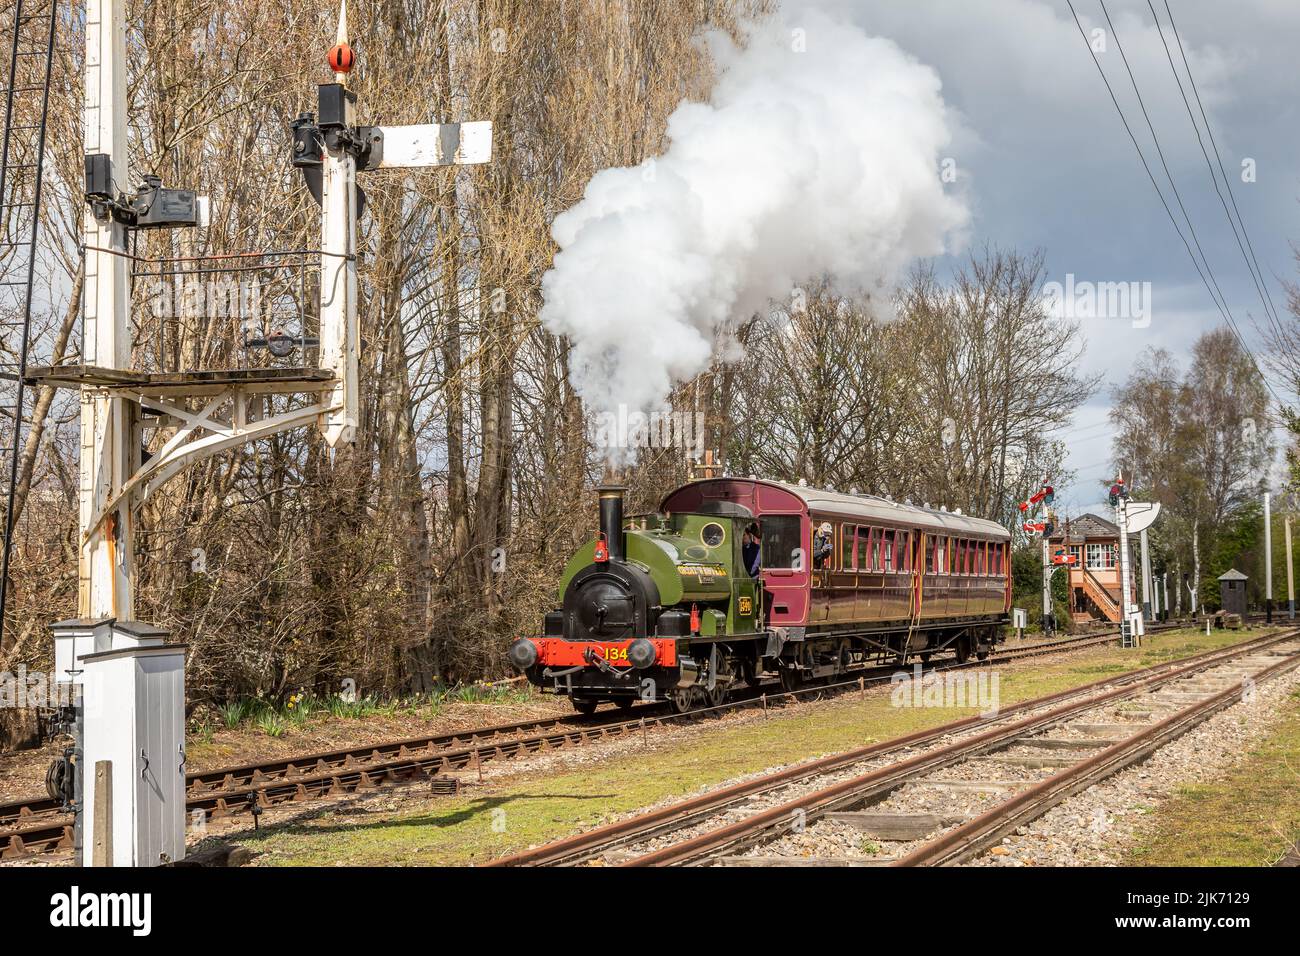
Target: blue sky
(1045, 161)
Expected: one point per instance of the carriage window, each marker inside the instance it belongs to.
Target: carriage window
(866, 538)
(981, 556)
(961, 556)
(846, 546)
(887, 550)
(782, 542)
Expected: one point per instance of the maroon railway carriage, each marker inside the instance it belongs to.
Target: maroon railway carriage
(910, 579)
(667, 602)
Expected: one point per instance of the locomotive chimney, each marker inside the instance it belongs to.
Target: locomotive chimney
(611, 519)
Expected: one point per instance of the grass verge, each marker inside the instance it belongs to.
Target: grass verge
(1248, 817)
(517, 811)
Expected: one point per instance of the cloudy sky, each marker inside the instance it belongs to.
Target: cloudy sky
(1045, 162)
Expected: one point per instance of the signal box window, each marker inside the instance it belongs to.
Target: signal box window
(781, 542)
(1101, 557)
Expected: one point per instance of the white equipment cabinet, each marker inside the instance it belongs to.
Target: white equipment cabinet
(134, 709)
(75, 639)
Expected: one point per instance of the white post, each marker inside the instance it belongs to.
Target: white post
(1130, 618)
(339, 326)
(108, 446)
(1290, 574)
(1048, 619)
(1146, 576)
(1268, 559)
(340, 330)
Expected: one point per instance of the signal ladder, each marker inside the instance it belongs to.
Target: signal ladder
(27, 48)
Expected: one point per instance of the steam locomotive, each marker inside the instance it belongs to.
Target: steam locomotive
(736, 580)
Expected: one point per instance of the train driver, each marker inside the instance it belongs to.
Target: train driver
(751, 550)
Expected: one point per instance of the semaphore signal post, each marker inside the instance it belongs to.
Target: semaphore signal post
(126, 773)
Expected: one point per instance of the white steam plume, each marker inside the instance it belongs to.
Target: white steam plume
(803, 163)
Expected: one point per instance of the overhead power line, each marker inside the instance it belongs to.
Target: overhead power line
(1261, 285)
(1155, 138)
(1211, 285)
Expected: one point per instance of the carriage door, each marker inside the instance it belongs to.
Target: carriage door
(787, 561)
(918, 573)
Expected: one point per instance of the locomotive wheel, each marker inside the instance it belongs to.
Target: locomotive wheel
(585, 706)
(683, 699)
(982, 655)
(625, 703)
(791, 679)
(715, 697)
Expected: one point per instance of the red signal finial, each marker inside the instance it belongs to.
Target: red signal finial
(341, 58)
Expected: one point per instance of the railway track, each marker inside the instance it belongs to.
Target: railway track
(39, 824)
(1100, 728)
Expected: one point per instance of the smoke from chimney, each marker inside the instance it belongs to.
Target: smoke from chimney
(818, 153)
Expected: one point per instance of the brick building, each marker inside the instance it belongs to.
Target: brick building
(1094, 590)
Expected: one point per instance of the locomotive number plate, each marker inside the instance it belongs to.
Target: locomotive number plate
(746, 605)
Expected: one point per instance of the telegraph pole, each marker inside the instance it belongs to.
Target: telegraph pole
(1049, 622)
(1155, 598)
(1146, 576)
(1268, 559)
(1290, 574)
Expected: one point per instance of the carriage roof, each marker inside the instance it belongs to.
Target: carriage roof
(820, 501)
